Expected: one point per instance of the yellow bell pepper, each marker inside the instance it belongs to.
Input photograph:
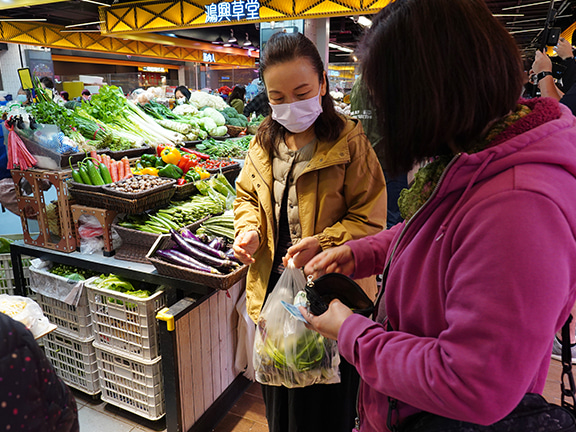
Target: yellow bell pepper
(202, 172)
(171, 155)
(149, 170)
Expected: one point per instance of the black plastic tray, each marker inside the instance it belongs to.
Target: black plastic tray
(112, 191)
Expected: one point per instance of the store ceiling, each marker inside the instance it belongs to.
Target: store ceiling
(523, 18)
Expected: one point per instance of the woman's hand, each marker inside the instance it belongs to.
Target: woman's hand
(328, 324)
(542, 63)
(245, 244)
(564, 49)
(302, 252)
(335, 260)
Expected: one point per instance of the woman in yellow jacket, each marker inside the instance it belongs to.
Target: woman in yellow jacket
(311, 181)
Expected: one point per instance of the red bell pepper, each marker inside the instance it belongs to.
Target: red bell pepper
(181, 181)
(195, 152)
(186, 162)
(159, 149)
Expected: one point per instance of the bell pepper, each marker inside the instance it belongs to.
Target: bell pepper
(159, 163)
(202, 172)
(148, 160)
(170, 155)
(159, 149)
(181, 181)
(196, 153)
(170, 171)
(192, 176)
(149, 170)
(187, 162)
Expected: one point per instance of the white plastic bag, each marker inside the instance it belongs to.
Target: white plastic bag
(286, 352)
(28, 312)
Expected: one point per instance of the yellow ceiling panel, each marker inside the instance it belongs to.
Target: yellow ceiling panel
(303, 6)
(190, 12)
(325, 8)
(174, 13)
(25, 3)
(159, 24)
(377, 4)
(282, 6)
(268, 14)
(143, 17)
(159, 8)
(51, 35)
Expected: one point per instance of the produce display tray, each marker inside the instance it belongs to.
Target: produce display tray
(108, 189)
(130, 153)
(75, 321)
(82, 186)
(222, 282)
(182, 192)
(7, 282)
(189, 144)
(122, 205)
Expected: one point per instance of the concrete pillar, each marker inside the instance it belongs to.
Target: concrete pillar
(318, 31)
(182, 75)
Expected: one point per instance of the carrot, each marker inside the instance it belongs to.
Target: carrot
(106, 160)
(127, 170)
(120, 170)
(99, 158)
(114, 171)
(93, 154)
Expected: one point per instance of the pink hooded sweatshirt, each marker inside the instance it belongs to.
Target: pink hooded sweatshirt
(480, 280)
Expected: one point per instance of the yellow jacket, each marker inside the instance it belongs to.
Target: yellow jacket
(341, 196)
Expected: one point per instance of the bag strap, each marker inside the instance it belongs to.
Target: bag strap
(567, 376)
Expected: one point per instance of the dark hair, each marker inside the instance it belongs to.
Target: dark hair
(184, 90)
(284, 47)
(238, 92)
(439, 71)
(86, 92)
(48, 83)
(64, 95)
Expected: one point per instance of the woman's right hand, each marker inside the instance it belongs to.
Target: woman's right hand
(245, 244)
(335, 260)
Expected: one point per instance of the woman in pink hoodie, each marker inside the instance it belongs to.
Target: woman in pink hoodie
(482, 273)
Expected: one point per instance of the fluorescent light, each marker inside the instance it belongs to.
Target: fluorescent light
(526, 5)
(340, 47)
(96, 2)
(79, 31)
(363, 21)
(84, 24)
(508, 15)
(526, 31)
(525, 21)
(22, 19)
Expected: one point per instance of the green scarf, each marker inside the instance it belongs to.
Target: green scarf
(427, 177)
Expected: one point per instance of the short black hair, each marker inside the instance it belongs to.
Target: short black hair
(86, 92)
(48, 83)
(184, 90)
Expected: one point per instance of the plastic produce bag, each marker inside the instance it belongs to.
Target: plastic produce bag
(28, 312)
(91, 235)
(286, 352)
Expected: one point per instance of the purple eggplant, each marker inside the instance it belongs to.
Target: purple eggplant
(198, 254)
(184, 260)
(204, 238)
(186, 233)
(217, 243)
(230, 255)
(199, 245)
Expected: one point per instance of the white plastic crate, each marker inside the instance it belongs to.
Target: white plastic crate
(75, 321)
(125, 323)
(132, 384)
(74, 361)
(7, 283)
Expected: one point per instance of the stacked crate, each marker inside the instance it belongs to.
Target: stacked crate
(7, 282)
(127, 349)
(69, 348)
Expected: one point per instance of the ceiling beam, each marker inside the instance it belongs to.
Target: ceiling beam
(12, 4)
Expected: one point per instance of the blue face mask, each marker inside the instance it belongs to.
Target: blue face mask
(21, 98)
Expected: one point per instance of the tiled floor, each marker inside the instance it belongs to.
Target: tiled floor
(247, 414)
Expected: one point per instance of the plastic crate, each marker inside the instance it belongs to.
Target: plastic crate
(75, 321)
(125, 323)
(74, 361)
(7, 283)
(132, 384)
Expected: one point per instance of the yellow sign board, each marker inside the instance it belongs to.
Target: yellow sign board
(25, 78)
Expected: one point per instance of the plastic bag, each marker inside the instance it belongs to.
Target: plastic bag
(28, 312)
(91, 235)
(286, 352)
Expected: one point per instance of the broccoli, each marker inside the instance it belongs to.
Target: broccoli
(230, 112)
(235, 122)
(243, 120)
(227, 118)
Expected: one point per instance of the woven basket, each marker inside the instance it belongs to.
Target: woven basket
(182, 192)
(229, 171)
(122, 205)
(222, 282)
(131, 252)
(234, 131)
(130, 153)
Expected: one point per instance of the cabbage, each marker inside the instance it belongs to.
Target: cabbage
(215, 115)
(208, 124)
(219, 131)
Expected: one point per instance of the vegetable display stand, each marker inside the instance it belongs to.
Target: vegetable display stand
(131, 383)
(7, 283)
(163, 267)
(55, 228)
(130, 153)
(74, 360)
(105, 217)
(125, 323)
(229, 171)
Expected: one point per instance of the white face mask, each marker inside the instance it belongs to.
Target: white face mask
(181, 100)
(298, 116)
(21, 98)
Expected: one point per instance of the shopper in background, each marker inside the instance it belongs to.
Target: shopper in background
(182, 94)
(542, 68)
(65, 96)
(86, 95)
(361, 107)
(310, 181)
(236, 98)
(259, 105)
(481, 275)
(32, 397)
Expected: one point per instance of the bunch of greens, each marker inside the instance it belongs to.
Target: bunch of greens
(233, 118)
(120, 284)
(71, 272)
(235, 148)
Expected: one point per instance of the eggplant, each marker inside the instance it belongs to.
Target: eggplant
(217, 243)
(230, 255)
(184, 260)
(186, 233)
(198, 254)
(204, 238)
(199, 245)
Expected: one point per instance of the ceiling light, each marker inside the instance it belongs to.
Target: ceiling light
(247, 41)
(526, 5)
(22, 19)
(79, 31)
(232, 39)
(341, 48)
(363, 21)
(84, 24)
(508, 15)
(526, 31)
(218, 40)
(96, 2)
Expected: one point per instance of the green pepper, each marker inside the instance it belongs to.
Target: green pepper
(105, 173)
(93, 173)
(148, 160)
(192, 176)
(159, 163)
(84, 174)
(171, 171)
(76, 176)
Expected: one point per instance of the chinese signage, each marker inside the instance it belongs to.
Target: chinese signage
(208, 57)
(233, 11)
(152, 69)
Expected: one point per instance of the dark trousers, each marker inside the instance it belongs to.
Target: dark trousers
(317, 408)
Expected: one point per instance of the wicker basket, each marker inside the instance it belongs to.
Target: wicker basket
(166, 184)
(182, 192)
(229, 171)
(222, 282)
(130, 153)
(234, 131)
(122, 205)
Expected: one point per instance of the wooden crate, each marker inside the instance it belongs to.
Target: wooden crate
(65, 239)
(105, 217)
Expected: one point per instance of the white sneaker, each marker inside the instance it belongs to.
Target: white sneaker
(557, 350)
